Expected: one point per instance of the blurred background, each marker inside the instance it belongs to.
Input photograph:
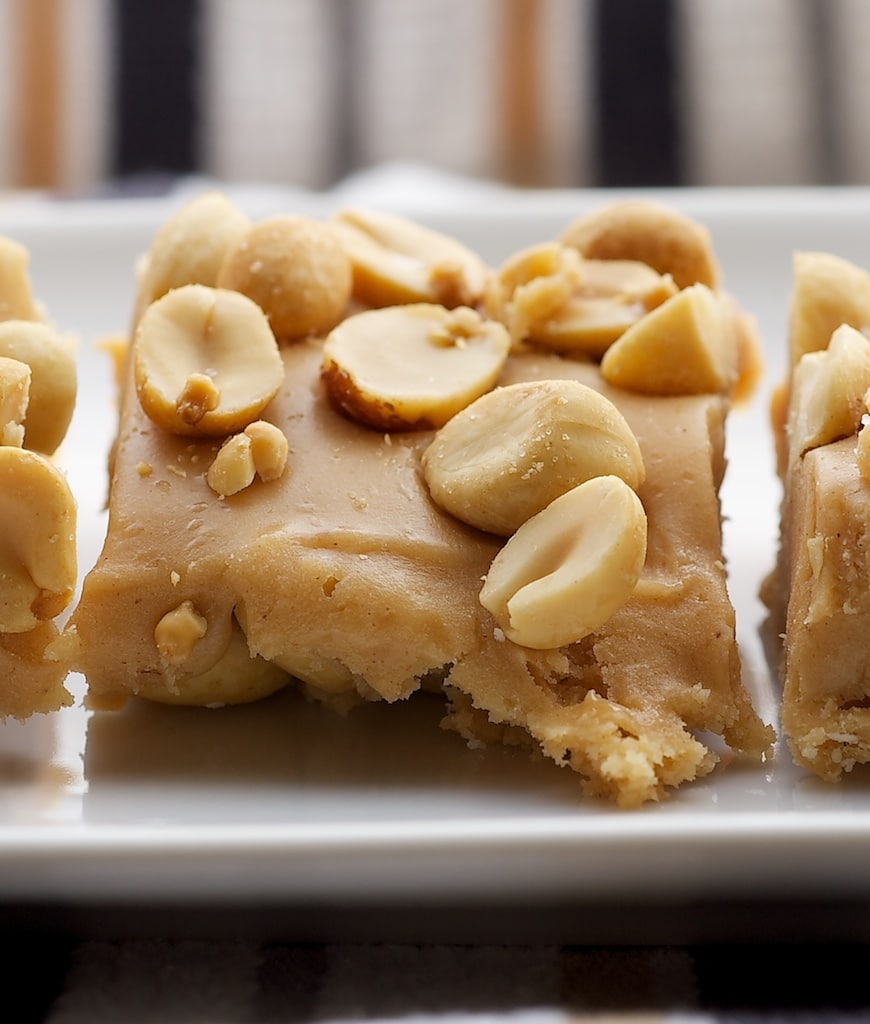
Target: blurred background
(540, 93)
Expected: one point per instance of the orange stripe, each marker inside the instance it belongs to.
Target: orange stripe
(37, 77)
(520, 92)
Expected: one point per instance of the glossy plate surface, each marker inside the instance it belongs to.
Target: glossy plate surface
(283, 801)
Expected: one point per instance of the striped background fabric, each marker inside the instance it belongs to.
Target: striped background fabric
(538, 92)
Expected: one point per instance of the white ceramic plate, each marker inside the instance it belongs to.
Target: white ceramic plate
(285, 802)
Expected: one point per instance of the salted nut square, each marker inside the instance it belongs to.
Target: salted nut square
(353, 458)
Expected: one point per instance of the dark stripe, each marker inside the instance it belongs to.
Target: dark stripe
(156, 83)
(346, 74)
(289, 982)
(38, 962)
(779, 978)
(824, 97)
(636, 76)
(619, 980)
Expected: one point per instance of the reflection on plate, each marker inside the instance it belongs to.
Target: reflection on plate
(309, 761)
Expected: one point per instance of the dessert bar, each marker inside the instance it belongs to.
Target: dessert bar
(353, 458)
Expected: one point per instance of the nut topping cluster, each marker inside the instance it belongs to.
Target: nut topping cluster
(553, 465)
(38, 384)
(416, 332)
(551, 296)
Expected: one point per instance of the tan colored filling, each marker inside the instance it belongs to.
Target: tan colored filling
(825, 564)
(346, 574)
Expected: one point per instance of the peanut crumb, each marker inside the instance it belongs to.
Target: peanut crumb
(177, 633)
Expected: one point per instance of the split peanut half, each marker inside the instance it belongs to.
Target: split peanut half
(16, 297)
(14, 396)
(510, 453)
(569, 568)
(260, 450)
(53, 380)
(649, 232)
(826, 291)
(233, 468)
(413, 366)
(297, 272)
(828, 390)
(192, 244)
(206, 362)
(38, 547)
(397, 261)
(687, 346)
(269, 449)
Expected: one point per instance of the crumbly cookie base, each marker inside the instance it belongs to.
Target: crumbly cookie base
(33, 670)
